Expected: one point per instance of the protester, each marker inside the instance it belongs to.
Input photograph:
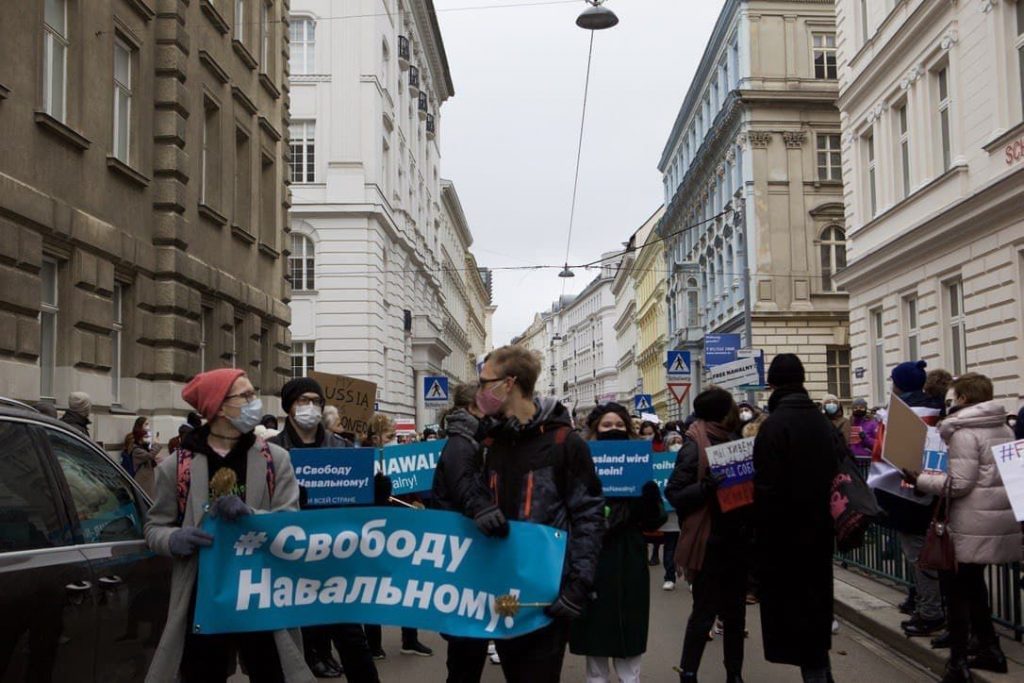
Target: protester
(77, 414)
(834, 412)
(670, 529)
(794, 465)
(142, 452)
(863, 431)
(429, 434)
(614, 625)
(232, 408)
(540, 471)
(459, 486)
(175, 442)
(937, 384)
(45, 408)
(303, 400)
(714, 546)
(981, 522)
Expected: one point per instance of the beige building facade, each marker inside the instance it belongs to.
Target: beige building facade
(932, 95)
(651, 318)
(142, 202)
(754, 193)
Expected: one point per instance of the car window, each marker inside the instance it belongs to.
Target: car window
(28, 508)
(103, 499)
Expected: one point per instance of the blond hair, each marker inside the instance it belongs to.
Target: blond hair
(518, 362)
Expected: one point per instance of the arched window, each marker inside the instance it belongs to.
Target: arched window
(833, 256)
(302, 39)
(301, 263)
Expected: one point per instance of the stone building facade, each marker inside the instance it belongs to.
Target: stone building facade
(932, 95)
(142, 201)
(625, 318)
(652, 318)
(753, 180)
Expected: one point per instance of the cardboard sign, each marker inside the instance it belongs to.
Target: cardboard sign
(354, 399)
(1010, 461)
(335, 476)
(905, 433)
(735, 461)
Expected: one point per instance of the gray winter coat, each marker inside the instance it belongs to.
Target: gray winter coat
(981, 520)
(162, 521)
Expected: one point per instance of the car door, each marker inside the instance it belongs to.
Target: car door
(132, 584)
(48, 622)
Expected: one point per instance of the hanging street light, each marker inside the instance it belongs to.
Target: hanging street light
(596, 17)
(566, 272)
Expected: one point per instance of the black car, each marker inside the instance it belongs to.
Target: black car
(81, 596)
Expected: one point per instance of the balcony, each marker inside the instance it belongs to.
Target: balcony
(423, 106)
(403, 53)
(430, 127)
(414, 81)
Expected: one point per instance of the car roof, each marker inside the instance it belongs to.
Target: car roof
(14, 403)
(32, 415)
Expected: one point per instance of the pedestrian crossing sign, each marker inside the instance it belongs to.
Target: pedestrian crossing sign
(435, 389)
(678, 365)
(643, 403)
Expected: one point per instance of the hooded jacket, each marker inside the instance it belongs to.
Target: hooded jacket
(983, 526)
(458, 480)
(76, 420)
(541, 472)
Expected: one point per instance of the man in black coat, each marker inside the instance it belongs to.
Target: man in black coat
(794, 465)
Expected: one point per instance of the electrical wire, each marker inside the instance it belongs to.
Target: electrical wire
(579, 154)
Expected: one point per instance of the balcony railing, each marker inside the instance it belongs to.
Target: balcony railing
(423, 106)
(414, 80)
(403, 52)
(430, 126)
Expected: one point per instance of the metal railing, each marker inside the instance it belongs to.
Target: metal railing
(881, 556)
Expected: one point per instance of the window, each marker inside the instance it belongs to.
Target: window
(830, 166)
(268, 201)
(302, 261)
(116, 333)
(833, 256)
(825, 56)
(205, 325)
(104, 501)
(692, 309)
(878, 355)
(864, 20)
(872, 178)
(838, 368)
(957, 326)
(240, 20)
(942, 80)
(236, 330)
(265, 36)
(302, 36)
(303, 358)
(55, 58)
(904, 151)
(302, 147)
(243, 179)
(122, 100)
(210, 185)
(30, 518)
(47, 327)
(1020, 49)
(913, 329)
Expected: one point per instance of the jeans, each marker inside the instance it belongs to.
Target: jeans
(969, 611)
(929, 594)
(466, 659)
(720, 592)
(211, 659)
(627, 669)
(535, 657)
(668, 559)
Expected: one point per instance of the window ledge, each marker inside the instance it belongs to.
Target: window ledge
(115, 164)
(305, 292)
(215, 17)
(243, 234)
(268, 85)
(5, 92)
(63, 131)
(143, 9)
(211, 214)
(996, 142)
(268, 250)
(243, 52)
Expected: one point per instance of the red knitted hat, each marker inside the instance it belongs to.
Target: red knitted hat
(207, 390)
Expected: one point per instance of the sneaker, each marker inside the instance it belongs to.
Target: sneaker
(417, 648)
(668, 586)
(492, 653)
(835, 627)
(719, 629)
(378, 654)
(752, 599)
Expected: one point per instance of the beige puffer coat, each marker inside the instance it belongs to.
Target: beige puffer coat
(982, 522)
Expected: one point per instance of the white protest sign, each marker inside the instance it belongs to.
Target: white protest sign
(734, 374)
(734, 461)
(1010, 461)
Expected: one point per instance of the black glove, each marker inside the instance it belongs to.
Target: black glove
(382, 489)
(570, 603)
(229, 508)
(186, 540)
(650, 491)
(491, 522)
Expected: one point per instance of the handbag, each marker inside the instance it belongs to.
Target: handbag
(938, 552)
(853, 504)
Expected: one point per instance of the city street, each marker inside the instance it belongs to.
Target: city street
(855, 656)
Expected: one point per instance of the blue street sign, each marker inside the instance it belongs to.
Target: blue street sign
(435, 389)
(678, 365)
(720, 349)
(643, 403)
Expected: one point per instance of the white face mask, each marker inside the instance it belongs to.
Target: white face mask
(746, 415)
(308, 416)
(676, 447)
(248, 417)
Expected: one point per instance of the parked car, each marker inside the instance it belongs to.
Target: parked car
(82, 597)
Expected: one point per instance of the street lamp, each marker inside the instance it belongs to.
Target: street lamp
(566, 272)
(596, 17)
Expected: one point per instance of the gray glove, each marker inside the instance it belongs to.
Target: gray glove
(186, 540)
(229, 508)
(491, 522)
(563, 608)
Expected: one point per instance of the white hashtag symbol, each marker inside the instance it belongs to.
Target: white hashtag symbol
(250, 542)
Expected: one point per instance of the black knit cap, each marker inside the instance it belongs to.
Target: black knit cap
(600, 411)
(712, 405)
(786, 370)
(294, 388)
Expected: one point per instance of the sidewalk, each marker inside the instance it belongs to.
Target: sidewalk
(871, 606)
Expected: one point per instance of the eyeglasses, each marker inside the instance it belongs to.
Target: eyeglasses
(307, 401)
(249, 396)
(484, 381)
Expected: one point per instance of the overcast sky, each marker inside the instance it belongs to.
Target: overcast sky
(509, 135)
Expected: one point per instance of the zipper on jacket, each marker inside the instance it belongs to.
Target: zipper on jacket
(529, 495)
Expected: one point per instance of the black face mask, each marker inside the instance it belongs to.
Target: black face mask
(860, 413)
(613, 435)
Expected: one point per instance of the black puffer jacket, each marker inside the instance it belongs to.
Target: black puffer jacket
(458, 480)
(288, 439)
(76, 420)
(542, 472)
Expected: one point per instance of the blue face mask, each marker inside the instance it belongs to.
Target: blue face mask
(249, 417)
(831, 408)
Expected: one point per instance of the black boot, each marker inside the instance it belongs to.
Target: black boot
(957, 672)
(687, 677)
(733, 678)
(988, 658)
(942, 642)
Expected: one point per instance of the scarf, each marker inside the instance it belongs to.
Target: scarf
(695, 529)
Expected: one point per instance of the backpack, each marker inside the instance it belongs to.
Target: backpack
(852, 503)
(128, 462)
(184, 485)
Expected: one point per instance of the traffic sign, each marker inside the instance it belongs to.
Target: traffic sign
(720, 348)
(679, 391)
(643, 403)
(435, 389)
(678, 365)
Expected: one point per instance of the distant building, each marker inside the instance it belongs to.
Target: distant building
(625, 318)
(932, 95)
(649, 280)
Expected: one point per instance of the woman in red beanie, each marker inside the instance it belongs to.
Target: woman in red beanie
(263, 481)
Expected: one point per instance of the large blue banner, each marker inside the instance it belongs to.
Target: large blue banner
(411, 466)
(622, 466)
(418, 568)
(335, 476)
